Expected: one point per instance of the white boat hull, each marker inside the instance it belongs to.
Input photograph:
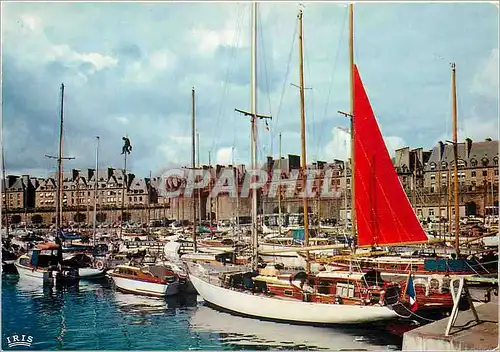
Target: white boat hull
(91, 273)
(41, 275)
(145, 288)
(491, 241)
(264, 307)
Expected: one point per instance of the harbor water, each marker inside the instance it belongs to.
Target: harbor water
(94, 316)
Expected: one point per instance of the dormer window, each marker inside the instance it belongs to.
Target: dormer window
(495, 161)
(461, 163)
(485, 161)
(444, 165)
(473, 162)
(433, 165)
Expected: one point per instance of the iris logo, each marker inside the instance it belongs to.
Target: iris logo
(16, 340)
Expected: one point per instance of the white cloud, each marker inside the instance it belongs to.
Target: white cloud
(148, 69)
(339, 147)
(485, 81)
(122, 119)
(474, 128)
(30, 21)
(393, 142)
(225, 156)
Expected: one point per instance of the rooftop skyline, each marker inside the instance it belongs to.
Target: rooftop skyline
(128, 69)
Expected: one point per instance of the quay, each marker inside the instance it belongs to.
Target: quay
(465, 334)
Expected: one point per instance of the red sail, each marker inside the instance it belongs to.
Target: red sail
(383, 212)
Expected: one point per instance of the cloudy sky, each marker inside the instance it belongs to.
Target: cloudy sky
(128, 69)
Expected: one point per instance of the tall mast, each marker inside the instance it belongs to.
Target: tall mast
(193, 160)
(455, 154)
(59, 158)
(4, 182)
(303, 140)
(439, 191)
(279, 187)
(96, 179)
(59, 166)
(149, 201)
(353, 132)
(449, 201)
(253, 110)
(237, 217)
(210, 190)
(345, 193)
(198, 165)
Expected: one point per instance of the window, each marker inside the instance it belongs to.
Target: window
(288, 293)
(473, 162)
(433, 166)
(485, 172)
(431, 212)
(484, 161)
(140, 199)
(495, 161)
(473, 173)
(135, 199)
(345, 290)
(496, 172)
(433, 177)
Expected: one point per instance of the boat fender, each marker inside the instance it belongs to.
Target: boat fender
(338, 300)
(99, 264)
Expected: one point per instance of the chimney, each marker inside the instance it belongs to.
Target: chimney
(441, 149)
(90, 174)
(270, 162)
(11, 179)
(74, 174)
(110, 172)
(26, 181)
(468, 146)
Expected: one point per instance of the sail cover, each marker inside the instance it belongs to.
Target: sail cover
(384, 214)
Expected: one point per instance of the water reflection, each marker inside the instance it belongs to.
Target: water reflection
(246, 333)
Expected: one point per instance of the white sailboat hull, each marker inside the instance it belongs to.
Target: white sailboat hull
(146, 288)
(41, 275)
(265, 307)
(91, 273)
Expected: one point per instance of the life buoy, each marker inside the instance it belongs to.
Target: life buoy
(436, 282)
(99, 264)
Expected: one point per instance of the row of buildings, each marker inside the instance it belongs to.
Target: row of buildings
(426, 175)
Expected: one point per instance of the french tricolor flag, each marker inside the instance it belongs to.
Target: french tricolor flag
(410, 290)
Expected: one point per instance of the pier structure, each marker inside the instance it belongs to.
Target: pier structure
(474, 329)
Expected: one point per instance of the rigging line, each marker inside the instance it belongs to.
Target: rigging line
(216, 131)
(332, 75)
(285, 85)
(261, 31)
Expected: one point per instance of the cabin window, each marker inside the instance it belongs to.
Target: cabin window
(323, 287)
(288, 293)
(345, 290)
